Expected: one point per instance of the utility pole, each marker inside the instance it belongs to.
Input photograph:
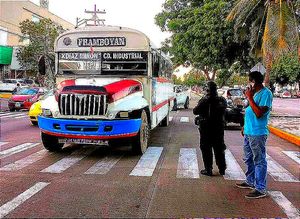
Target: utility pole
(94, 20)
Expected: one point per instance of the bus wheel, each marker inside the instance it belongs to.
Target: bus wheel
(140, 142)
(187, 103)
(51, 142)
(165, 122)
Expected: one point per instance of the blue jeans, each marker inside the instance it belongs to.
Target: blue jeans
(255, 159)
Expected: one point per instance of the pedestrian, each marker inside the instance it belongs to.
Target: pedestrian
(255, 134)
(211, 111)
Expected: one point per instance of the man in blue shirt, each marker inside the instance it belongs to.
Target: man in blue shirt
(255, 132)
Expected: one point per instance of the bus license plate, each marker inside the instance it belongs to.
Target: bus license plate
(82, 141)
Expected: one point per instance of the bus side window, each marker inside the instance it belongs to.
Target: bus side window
(155, 66)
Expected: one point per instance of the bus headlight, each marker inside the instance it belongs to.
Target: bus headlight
(46, 113)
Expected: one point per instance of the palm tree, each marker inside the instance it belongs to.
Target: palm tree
(270, 26)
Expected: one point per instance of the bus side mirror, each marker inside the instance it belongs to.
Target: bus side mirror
(42, 65)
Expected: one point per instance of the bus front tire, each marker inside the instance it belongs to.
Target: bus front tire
(51, 143)
(140, 142)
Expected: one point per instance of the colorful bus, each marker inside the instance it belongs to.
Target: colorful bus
(112, 84)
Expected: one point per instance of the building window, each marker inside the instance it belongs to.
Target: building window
(35, 18)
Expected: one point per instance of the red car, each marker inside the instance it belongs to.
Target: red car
(25, 97)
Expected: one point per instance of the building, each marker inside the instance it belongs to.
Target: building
(12, 13)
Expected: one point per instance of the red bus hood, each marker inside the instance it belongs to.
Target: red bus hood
(115, 90)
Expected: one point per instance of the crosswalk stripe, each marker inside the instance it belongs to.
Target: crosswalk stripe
(6, 113)
(14, 115)
(184, 119)
(295, 155)
(14, 203)
(65, 163)
(233, 171)
(289, 209)
(19, 117)
(187, 163)
(17, 149)
(2, 143)
(20, 164)
(170, 118)
(278, 172)
(147, 163)
(103, 166)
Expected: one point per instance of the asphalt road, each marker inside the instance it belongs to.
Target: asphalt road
(286, 107)
(89, 181)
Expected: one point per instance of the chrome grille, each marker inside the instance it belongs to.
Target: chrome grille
(82, 104)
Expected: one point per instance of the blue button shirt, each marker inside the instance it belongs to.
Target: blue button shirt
(258, 126)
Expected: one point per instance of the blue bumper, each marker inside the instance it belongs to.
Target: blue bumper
(89, 129)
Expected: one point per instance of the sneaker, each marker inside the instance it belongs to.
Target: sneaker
(256, 194)
(206, 172)
(244, 185)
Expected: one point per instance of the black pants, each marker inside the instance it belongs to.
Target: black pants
(210, 142)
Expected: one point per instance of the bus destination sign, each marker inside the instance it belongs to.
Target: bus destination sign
(101, 41)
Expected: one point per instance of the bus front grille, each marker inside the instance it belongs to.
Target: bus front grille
(82, 104)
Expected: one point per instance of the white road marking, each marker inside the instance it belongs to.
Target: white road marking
(17, 149)
(233, 171)
(170, 118)
(18, 117)
(13, 204)
(147, 163)
(289, 209)
(278, 172)
(67, 162)
(14, 115)
(6, 113)
(103, 166)
(295, 155)
(184, 119)
(187, 163)
(20, 164)
(2, 143)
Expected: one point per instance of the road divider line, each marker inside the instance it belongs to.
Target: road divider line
(17, 149)
(103, 166)
(233, 171)
(294, 155)
(19, 117)
(278, 172)
(187, 163)
(3, 143)
(185, 119)
(148, 162)
(289, 209)
(14, 115)
(20, 199)
(65, 163)
(6, 113)
(20, 164)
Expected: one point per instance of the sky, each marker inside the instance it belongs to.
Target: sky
(136, 14)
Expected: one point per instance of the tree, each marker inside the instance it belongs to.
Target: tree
(272, 26)
(286, 69)
(194, 77)
(41, 36)
(200, 34)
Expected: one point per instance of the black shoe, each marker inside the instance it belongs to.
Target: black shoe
(256, 194)
(222, 172)
(244, 185)
(206, 172)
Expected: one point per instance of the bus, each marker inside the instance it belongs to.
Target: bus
(112, 84)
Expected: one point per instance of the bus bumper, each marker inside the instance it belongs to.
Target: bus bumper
(89, 129)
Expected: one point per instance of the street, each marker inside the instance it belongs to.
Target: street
(98, 181)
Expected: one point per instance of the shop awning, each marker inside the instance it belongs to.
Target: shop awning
(5, 55)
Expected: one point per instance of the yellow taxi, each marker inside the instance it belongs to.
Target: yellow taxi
(36, 108)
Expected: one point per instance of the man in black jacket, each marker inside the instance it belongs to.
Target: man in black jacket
(211, 111)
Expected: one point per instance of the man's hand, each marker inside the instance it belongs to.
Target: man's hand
(242, 131)
(249, 93)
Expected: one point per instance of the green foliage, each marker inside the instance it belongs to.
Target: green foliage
(200, 33)
(41, 36)
(223, 76)
(194, 78)
(176, 80)
(287, 67)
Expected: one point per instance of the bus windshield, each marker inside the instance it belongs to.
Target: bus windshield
(103, 63)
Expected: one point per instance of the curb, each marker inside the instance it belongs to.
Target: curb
(287, 136)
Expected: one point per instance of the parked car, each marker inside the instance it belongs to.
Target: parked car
(25, 97)
(236, 103)
(182, 97)
(285, 94)
(36, 108)
(9, 85)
